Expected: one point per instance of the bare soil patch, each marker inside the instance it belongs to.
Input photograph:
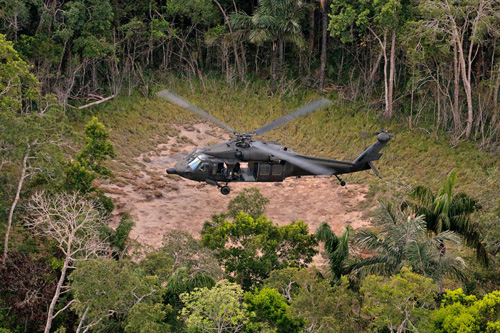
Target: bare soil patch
(160, 203)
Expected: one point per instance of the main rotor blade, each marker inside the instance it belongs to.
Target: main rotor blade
(179, 101)
(304, 164)
(315, 105)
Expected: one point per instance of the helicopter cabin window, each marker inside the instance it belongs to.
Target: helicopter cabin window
(264, 169)
(277, 169)
(194, 163)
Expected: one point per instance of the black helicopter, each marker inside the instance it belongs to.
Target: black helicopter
(266, 161)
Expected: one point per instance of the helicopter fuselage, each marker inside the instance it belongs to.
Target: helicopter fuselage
(223, 163)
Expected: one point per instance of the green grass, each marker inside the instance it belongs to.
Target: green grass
(138, 124)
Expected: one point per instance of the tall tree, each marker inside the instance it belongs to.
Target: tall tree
(273, 21)
(404, 240)
(324, 4)
(219, 309)
(105, 290)
(449, 211)
(251, 248)
(74, 224)
(467, 22)
(28, 127)
(336, 248)
(381, 19)
(399, 303)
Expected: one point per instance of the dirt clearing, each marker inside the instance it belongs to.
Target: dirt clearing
(160, 203)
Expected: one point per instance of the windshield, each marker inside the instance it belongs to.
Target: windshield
(194, 163)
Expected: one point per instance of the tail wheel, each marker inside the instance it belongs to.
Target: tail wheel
(225, 190)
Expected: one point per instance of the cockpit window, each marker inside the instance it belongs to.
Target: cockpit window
(194, 163)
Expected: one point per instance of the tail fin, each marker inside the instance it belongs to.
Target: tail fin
(373, 152)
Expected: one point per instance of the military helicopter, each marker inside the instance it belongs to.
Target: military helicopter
(266, 161)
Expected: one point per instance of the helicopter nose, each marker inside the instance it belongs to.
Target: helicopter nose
(171, 171)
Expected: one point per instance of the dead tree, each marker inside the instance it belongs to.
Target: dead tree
(73, 222)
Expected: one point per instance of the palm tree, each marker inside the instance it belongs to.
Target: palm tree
(337, 248)
(274, 21)
(404, 241)
(448, 211)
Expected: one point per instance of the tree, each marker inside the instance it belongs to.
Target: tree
(405, 241)
(324, 4)
(270, 308)
(249, 201)
(467, 23)
(145, 318)
(87, 164)
(27, 286)
(273, 21)
(104, 290)
(465, 313)
(336, 248)
(399, 303)
(380, 19)
(28, 135)
(182, 265)
(323, 307)
(449, 211)
(219, 309)
(251, 248)
(73, 223)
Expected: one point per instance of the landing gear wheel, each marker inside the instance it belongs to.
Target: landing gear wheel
(342, 183)
(225, 190)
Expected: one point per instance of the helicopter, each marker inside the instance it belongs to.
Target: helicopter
(265, 161)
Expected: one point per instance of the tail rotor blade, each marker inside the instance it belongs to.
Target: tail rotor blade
(304, 164)
(315, 105)
(179, 101)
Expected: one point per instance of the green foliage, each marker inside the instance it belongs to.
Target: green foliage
(273, 20)
(462, 313)
(220, 308)
(251, 248)
(449, 211)
(249, 201)
(374, 15)
(323, 307)
(270, 308)
(18, 87)
(404, 240)
(120, 238)
(399, 303)
(87, 164)
(336, 248)
(97, 147)
(105, 291)
(146, 318)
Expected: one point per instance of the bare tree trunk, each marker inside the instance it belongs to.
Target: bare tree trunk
(324, 39)
(495, 91)
(467, 88)
(391, 74)
(282, 54)
(14, 204)
(375, 67)
(456, 109)
(235, 48)
(57, 294)
(386, 83)
(274, 60)
(310, 47)
(82, 320)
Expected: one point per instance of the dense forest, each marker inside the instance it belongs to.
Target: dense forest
(77, 104)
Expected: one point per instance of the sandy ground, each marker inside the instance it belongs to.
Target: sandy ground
(160, 203)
